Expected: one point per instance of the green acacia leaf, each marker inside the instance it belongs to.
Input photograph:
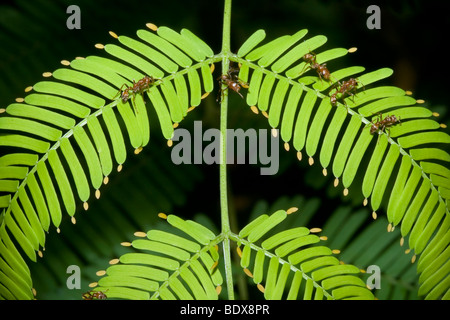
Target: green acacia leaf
(294, 251)
(251, 42)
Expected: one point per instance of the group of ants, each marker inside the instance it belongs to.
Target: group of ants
(230, 80)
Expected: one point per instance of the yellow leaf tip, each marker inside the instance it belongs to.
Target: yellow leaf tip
(113, 34)
(292, 210)
(162, 215)
(260, 287)
(248, 272)
(140, 234)
(100, 273)
(151, 26)
(138, 150)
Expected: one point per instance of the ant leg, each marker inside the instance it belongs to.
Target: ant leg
(120, 90)
(378, 139)
(306, 67)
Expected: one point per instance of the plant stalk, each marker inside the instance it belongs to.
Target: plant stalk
(225, 220)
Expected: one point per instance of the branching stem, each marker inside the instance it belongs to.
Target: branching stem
(223, 155)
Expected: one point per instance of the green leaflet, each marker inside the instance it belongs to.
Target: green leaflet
(276, 52)
(287, 122)
(251, 42)
(143, 65)
(131, 124)
(86, 80)
(355, 158)
(166, 47)
(353, 128)
(374, 164)
(101, 145)
(183, 42)
(331, 135)
(421, 138)
(50, 193)
(195, 230)
(90, 155)
(383, 176)
(70, 92)
(41, 114)
(115, 135)
(277, 102)
(316, 127)
(63, 182)
(29, 126)
(197, 43)
(154, 55)
(58, 103)
(76, 170)
(301, 124)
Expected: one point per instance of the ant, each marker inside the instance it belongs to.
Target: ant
(232, 81)
(321, 69)
(97, 295)
(138, 87)
(380, 125)
(347, 87)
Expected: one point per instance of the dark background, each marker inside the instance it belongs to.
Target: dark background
(412, 41)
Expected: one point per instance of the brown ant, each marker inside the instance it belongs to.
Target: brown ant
(383, 125)
(138, 87)
(97, 295)
(232, 81)
(345, 88)
(321, 69)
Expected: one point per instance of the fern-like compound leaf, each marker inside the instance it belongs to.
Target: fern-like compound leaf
(167, 266)
(290, 264)
(62, 141)
(410, 152)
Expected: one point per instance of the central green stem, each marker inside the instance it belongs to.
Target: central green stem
(223, 152)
